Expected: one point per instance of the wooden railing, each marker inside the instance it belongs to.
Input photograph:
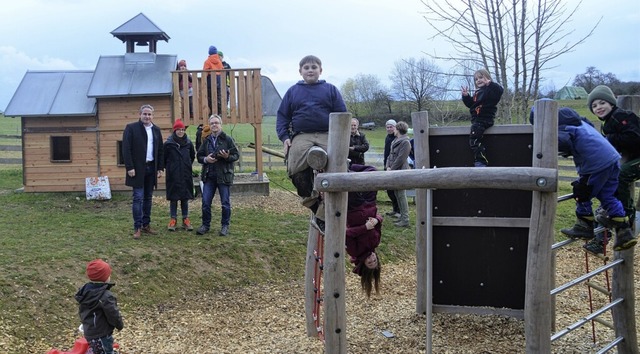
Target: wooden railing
(234, 94)
(237, 98)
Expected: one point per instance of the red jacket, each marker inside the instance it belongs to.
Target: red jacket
(361, 242)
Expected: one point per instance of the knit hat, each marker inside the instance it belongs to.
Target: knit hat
(391, 122)
(98, 270)
(213, 50)
(178, 125)
(220, 54)
(601, 92)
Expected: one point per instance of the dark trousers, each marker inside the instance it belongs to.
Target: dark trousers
(475, 140)
(394, 201)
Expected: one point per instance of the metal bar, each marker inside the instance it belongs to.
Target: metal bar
(586, 319)
(584, 277)
(611, 345)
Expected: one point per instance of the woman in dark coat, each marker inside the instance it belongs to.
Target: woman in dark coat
(179, 154)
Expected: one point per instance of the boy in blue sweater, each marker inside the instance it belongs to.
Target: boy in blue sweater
(303, 122)
(597, 164)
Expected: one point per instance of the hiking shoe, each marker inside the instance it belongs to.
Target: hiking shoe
(186, 224)
(148, 230)
(172, 225)
(582, 229)
(595, 246)
(624, 239)
(391, 213)
(202, 230)
(136, 234)
(396, 216)
(401, 223)
(224, 230)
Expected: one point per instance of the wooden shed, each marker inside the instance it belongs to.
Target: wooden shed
(72, 121)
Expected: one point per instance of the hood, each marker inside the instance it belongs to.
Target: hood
(91, 293)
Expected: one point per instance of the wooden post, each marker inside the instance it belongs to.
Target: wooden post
(310, 287)
(424, 240)
(537, 307)
(335, 227)
(622, 286)
(624, 320)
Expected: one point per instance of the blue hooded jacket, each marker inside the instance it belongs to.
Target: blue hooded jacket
(578, 138)
(305, 108)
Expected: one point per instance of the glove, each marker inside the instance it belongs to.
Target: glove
(581, 191)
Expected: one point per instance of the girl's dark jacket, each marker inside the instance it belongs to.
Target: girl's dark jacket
(483, 105)
(622, 129)
(223, 168)
(178, 161)
(98, 310)
(134, 151)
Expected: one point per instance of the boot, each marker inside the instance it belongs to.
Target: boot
(625, 239)
(583, 228)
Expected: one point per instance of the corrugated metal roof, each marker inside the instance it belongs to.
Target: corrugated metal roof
(133, 74)
(53, 93)
(139, 26)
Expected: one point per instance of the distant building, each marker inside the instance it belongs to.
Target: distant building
(72, 121)
(571, 93)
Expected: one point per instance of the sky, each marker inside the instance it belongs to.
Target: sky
(351, 37)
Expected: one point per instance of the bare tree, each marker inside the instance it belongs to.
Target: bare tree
(350, 96)
(416, 81)
(516, 40)
(594, 77)
(365, 95)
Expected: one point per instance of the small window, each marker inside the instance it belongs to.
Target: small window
(120, 155)
(60, 149)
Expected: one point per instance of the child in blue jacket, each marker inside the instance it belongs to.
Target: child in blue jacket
(597, 164)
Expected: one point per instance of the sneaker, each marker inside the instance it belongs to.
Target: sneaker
(391, 213)
(402, 223)
(202, 230)
(224, 230)
(479, 164)
(148, 230)
(624, 239)
(172, 225)
(186, 224)
(396, 216)
(595, 246)
(136, 235)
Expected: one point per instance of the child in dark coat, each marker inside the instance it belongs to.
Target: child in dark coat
(98, 308)
(483, 106)
(364, 229)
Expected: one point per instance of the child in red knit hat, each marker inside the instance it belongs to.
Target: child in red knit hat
(98, 308)
(179, 154)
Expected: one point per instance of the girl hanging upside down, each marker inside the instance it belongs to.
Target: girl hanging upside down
(364, 228)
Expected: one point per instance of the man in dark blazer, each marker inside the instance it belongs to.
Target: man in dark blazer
(144, 161)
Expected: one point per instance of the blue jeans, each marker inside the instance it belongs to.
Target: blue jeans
(142, 198)
(208, 192)
(184, 207)
(102, 345)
